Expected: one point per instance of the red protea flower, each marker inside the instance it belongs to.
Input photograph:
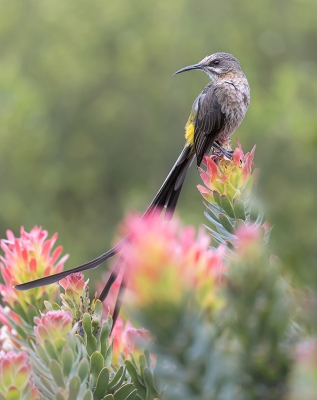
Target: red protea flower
(16, 380)
(27, 258)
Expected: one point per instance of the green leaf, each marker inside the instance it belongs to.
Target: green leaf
(108, 397)
(83, 369)
(151, 392)
(86, 322)
(96, 364)
(135, 378)
(74, 387)
(119, 376)
(88, 395)
(80, 339)
(57, 373)
(21, 331)
(46, 384)
(20, 310)
(124, 392)
(67, 358)
(48, 306)
(147, 355)
(109, 355)
(142, 361)
(238, 224)
(227, 206)
(239, 210)
(13, 393)
(104, 337)
(226, 223)
(117, 380)
(133, 395)
(56, 307)
(216, 197)
(91, 341)
(31, 313)
(59, 396)
(97, 315)
(49, 348)
(102, 384)
(59, 345)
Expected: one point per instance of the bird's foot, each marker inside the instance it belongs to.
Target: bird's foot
(221, 150)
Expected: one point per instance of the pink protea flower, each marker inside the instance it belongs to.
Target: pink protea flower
(225, 176)
(127, 339)
(16, 380)
(165, 260)
(52, 326)
(26, 258)
(74, 286)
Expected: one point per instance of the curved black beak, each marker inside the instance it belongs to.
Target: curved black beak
(195, 66)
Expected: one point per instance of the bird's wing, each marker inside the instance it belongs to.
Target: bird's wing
(209, 122)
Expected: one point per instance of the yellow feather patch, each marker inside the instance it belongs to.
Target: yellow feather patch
(189, 132)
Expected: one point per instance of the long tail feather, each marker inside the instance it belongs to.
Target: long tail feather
(167, 197)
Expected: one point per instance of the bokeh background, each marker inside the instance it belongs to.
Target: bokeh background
(91, 119)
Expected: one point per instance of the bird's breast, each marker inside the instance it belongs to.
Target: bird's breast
(234, 99)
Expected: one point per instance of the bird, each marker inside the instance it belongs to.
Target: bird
(215, 115)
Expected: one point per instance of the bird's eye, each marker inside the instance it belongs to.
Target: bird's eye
(216, 62)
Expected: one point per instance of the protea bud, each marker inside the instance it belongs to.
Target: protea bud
(76, 297)
(16, 380)
(52, 327)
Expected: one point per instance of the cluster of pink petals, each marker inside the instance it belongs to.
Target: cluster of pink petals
(127, 339)
(165, 259)
(74, 286)
(52, 326)
(16, 377)
(25, 258)
(225, 176)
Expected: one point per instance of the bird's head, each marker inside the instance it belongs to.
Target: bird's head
(216, 65)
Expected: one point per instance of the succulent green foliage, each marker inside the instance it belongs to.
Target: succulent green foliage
(142, 376)
(30, 311)
(258, 315)
(61, 371)
(241, 352)
(227, 217)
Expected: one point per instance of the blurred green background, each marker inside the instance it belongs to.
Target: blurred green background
(91, 119)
